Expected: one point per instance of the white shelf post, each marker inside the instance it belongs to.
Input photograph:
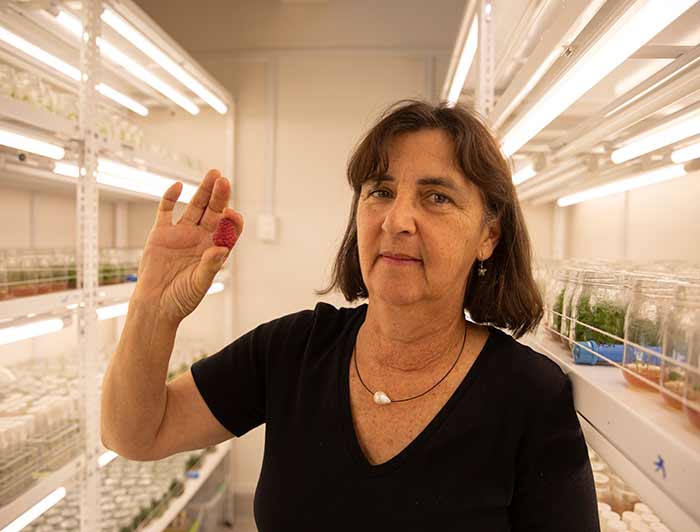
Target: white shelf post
(87, 254)
(487, 59)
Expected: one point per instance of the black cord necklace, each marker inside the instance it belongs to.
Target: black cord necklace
(381, 398)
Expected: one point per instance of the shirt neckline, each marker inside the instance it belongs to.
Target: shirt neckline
(348, 428)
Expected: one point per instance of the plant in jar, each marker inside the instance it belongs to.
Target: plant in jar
(645, 323)
(603, 315)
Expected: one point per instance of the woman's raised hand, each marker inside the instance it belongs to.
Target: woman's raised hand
(180, 260)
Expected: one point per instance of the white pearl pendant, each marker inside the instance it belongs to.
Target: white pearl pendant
(381, 398)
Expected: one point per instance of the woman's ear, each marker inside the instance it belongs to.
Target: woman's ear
(490, 236)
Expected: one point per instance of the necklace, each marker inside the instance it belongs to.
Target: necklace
(381, 398)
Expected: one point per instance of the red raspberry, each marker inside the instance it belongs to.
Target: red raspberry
(225, 234)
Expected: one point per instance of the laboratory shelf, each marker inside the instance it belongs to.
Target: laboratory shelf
(652, 437)
(669, 512)
(41, 489)
(210, 462)
(36, 117)
(57, 302)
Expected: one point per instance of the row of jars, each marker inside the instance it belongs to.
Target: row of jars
(646, 320)
(39, 413)
(28, 272)
(131, 494)
(39, 424)
(30, 88)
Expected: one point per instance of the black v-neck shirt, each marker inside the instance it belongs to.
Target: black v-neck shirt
(505, 452)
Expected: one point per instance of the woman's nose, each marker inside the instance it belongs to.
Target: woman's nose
(400, 217)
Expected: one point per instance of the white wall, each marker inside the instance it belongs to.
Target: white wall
(658, 222)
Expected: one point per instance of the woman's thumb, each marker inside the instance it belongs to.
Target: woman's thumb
(211, 262)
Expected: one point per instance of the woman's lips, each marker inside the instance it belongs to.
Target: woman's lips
(401, 262)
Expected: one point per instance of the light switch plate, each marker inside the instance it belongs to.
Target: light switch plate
(267, 227)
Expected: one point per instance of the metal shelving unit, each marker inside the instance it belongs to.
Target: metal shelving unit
(85, 145)
(558, 142)
(664, 464)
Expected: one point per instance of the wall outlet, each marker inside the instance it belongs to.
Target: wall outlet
(267, 227)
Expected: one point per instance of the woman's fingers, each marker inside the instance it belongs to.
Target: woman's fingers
(167, 203)
(200, 200)
(217, 203)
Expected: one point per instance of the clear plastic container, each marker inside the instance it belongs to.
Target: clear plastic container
(644, 326)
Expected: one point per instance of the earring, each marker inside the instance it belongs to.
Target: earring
(482, 270)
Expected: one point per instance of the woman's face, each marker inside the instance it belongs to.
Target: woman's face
(424, 208)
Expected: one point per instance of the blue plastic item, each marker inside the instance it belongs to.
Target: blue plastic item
(613, 352)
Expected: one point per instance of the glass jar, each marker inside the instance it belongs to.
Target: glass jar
(4, 287)
(644, 326)
(26, 87)
(67, 106)
(44, 274)
(599, 300)
(71, 268)
(683, 318)
(47, 97)
(683, 344)
(58, 262)
(23, 279)
(7, 80)
(572, 282)
(555, 302)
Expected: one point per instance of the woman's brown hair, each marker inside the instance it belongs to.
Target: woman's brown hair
(507, 296)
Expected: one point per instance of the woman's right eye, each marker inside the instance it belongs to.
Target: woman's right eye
(372, 192)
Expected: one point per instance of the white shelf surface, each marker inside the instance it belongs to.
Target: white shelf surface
(191, 487)
(57, 301)
(40, 490)
(636, 423)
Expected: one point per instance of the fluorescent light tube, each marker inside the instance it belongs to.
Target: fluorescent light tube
(106, 458)
(121, 59)
(16, 333)
(465, 63)
(119, 175)
(39, 54)
(66, 169)
(35, 511)
(624, 36)
(147, 47)
(24, 143)
(648, 178)
(110, 51)
(670, 133)
(524, 174)
(112, 311)
(686, 154)
(122, 99)
(66, 69)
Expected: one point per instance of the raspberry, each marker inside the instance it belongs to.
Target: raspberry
(225, 234)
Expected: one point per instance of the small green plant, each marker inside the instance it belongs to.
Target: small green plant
(558, 309)
(604, 316)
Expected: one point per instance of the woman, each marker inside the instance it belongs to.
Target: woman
(398, 414)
